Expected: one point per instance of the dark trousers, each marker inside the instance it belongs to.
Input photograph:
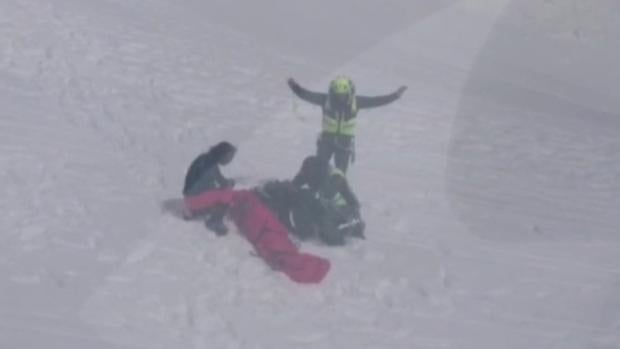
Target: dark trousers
(340, 223)
(217, 213)
(332, 226)
(339, 146)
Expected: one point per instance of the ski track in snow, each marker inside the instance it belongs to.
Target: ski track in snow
(105, 106)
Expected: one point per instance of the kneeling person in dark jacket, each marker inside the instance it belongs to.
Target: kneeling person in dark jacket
(329, 203)
(204, 175)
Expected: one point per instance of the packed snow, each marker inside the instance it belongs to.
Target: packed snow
(490, 191)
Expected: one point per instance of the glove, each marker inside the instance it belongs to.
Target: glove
(293, 84)
(353, 227)
(401, 90)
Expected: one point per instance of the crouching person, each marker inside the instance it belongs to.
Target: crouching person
(329, 202)
(204, 175)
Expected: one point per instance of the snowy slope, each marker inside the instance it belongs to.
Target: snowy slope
(489, 190)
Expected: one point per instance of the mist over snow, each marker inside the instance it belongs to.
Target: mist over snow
(490, 190)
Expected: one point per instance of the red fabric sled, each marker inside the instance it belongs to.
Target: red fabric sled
(263, 229)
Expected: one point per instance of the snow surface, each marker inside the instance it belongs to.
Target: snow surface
(491, 190)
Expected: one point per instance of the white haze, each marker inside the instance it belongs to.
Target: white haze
(491, 190)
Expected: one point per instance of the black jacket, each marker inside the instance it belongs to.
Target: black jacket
(280, 197)
(205, 171)
(329, 186)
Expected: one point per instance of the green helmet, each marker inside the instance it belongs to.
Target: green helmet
(342, 90)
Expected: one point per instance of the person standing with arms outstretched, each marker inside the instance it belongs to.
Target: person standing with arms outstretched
(340, 106)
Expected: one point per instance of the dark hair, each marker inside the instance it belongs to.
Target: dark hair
(313, 166)
(221, 149)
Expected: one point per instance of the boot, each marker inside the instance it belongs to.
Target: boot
(217, 226)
